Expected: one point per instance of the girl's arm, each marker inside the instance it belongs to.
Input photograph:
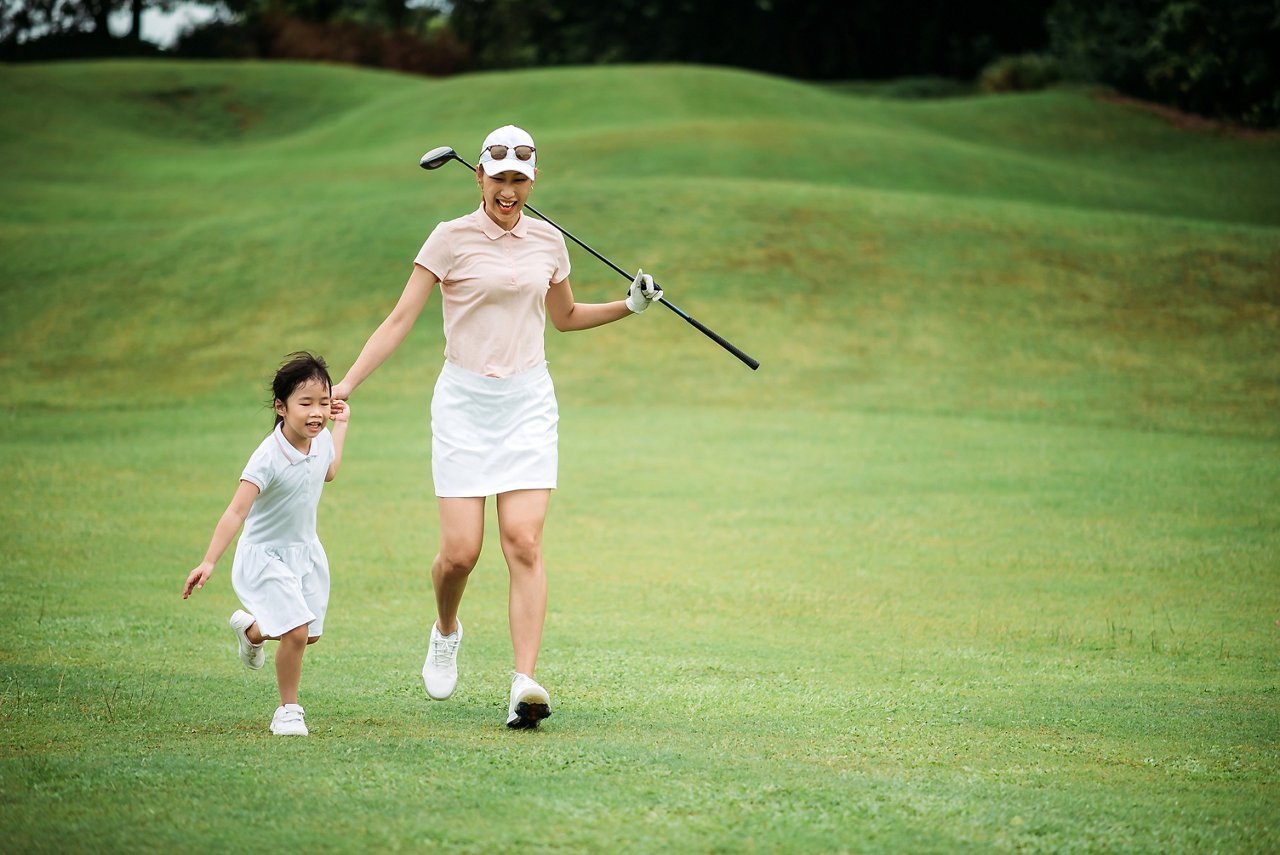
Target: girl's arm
(566, 315)
(388, 336)
(340, 412)
(227, 528)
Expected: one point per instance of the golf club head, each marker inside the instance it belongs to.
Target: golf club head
(438, 157)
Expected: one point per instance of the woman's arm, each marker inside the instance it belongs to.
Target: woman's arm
(228, 525)
(566, 315)
(390, 333)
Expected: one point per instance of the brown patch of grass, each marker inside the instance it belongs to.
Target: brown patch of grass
(1188, 121)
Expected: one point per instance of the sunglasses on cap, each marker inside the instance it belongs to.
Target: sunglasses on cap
(499, 152)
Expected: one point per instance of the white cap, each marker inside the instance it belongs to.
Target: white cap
(510, 136)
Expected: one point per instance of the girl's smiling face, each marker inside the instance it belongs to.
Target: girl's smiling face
(504, 196)
(305, 413)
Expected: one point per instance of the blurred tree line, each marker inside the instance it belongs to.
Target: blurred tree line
(1214, 58)
(1219, 59)
(865, 39)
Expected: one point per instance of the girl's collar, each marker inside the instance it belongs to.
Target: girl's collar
(291, 454)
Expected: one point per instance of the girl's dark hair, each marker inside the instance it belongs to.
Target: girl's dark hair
(300, 367)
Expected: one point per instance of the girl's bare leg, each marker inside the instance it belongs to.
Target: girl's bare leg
(289, 663)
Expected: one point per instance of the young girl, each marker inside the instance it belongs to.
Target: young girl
(280, 571)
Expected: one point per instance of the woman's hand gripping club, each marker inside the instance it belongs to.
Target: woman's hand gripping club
(643, 292)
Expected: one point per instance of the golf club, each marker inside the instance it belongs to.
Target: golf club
(438, 157)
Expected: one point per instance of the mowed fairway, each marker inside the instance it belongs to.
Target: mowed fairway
(986, 556)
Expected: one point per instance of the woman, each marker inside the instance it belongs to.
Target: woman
(493, 412)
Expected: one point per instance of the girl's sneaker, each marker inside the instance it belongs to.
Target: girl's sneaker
(288, 721)
(252, 655)
(530, 703)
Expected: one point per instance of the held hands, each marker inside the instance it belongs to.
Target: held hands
(339, 410)
(643, 292)
(197, 578)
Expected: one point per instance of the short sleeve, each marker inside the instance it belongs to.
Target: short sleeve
(437, 253)
(561, 271)
(259, 471)
(329, 452)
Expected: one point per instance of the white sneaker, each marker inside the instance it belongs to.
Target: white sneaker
(440, 671)
(530, 703)
(252, 655)
(288, 721)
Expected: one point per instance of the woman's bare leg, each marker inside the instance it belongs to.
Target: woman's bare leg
(521, 514)
(461, 536)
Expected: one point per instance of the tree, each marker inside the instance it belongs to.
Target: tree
(388, 14)
(1215, 59)
(48, 29)
(871, 38)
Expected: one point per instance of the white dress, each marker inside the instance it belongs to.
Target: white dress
(280, 571)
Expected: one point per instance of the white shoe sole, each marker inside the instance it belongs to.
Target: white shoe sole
(433, 695)
(251, 661)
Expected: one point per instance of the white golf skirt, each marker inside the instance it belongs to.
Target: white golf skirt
(491, 435)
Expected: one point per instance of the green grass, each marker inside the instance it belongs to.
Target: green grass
(985, 557)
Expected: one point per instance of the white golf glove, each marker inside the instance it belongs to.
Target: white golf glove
(643, 292)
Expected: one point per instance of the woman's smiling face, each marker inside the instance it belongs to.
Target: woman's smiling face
(504, 195)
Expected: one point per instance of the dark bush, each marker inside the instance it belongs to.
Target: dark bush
(275, 36)
(220, 39)
(1217, 59)
(1025, 72)
(74, 44)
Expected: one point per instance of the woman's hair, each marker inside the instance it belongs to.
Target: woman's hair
(300, 367)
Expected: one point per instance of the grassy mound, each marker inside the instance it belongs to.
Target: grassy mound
(983, 557)
(249, 204)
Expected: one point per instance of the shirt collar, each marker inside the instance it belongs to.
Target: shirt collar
(493, 231)
(290, 453)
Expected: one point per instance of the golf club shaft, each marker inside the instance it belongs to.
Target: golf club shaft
(753, 364)
(747, 360)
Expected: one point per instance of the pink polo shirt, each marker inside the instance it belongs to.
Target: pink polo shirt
(494, 286)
